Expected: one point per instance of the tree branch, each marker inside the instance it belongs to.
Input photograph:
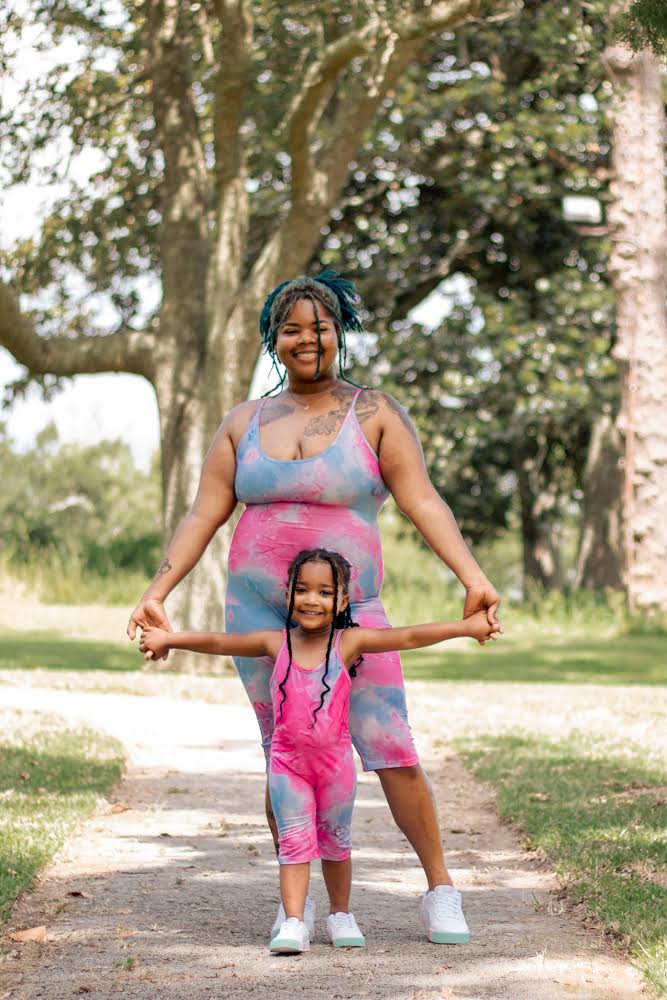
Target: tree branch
(125, 350)
(231, 79)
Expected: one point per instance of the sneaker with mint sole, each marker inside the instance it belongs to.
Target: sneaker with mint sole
(308, 918)
(442, 916)
(343, 931)
(292, 938)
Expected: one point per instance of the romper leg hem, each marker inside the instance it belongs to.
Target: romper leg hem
(383, 765)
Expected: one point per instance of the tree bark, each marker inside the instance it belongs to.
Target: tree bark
(539, 520)
(601, 553)
(201, 353)
(638, 226)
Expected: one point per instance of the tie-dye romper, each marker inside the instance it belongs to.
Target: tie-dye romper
(330, 500)
(312, 779)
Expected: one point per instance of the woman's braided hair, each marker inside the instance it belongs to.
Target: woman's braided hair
(340, 571)
(337, 295)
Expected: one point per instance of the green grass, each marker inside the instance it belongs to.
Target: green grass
(600, 815)
(49, 782)
(53, 651)
(558, 659)
(564, 659)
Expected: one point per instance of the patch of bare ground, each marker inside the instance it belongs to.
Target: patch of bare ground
(177, 886)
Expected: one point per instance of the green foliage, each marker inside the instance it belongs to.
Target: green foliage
(52, 778)
(469, 176)
(71, 510)
(600, 816)
(644, 26)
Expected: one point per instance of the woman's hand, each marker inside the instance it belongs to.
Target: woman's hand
(482, 597)
(478, 627)
(154, 643)
(149, 614)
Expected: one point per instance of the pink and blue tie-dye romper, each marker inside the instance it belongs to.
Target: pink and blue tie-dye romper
(312, 779)
(330, 500)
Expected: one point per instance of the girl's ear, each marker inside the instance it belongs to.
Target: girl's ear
(344, 601)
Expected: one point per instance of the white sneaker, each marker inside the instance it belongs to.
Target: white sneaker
(292, 937)
(442, 916)
(308, 918)
(343, 932)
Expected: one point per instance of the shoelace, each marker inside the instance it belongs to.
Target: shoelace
(292, 923)
(343, 921)
(447, 904)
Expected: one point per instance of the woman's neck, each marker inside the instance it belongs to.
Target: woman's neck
(316, 388)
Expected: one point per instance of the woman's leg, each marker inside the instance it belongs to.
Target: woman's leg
(408, 792)
(381, 733)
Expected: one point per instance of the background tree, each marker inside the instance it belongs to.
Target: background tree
(223, 132)
(638, 224)
(468, 175)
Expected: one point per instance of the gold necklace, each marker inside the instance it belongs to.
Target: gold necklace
(306, 406)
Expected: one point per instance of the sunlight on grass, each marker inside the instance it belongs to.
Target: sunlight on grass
(50, 779)
(600, 815)
(53, 651)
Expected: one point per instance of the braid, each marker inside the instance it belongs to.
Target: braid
(325, 685)
(294, 576)
(337, 295)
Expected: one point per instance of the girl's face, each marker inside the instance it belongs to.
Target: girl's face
(296, 340)
(313, 597)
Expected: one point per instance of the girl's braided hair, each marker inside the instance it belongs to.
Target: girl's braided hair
(340, 571)
(337, 295)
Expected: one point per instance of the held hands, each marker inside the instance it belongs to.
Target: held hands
(482, 597)
(154, 643)
(479, 628)
(149, 614)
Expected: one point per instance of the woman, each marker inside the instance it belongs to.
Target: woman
(313, 465)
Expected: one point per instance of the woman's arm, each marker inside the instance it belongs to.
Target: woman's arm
(355, 641)
(404, 471)
(155, 642)
(212, 507)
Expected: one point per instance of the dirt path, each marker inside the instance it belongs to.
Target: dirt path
(180, 889)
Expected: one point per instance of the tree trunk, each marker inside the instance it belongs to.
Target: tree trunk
(539, 521)
(600, 556)
(639, 231)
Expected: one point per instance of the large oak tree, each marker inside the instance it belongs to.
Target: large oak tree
(223, 132)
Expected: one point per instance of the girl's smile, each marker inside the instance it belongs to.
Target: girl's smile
(314, 598)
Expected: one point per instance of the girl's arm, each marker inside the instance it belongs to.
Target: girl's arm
(155, 642)
(356, 641)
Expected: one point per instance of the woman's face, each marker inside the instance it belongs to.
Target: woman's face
(296, 340)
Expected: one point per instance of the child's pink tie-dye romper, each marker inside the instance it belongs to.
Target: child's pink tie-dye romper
(331, 501)
(312, 779)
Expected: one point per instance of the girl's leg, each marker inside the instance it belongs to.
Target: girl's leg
(408, 792)
(294, 888)
(338, 880)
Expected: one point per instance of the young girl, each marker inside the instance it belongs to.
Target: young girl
(312, 777)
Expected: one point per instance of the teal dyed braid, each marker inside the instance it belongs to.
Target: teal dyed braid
(336, 294)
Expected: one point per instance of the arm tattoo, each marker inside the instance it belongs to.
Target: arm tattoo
(279, 408)
(165, 566)
(367, 405)
(402, 414)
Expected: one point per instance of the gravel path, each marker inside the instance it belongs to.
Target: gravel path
(180, 888)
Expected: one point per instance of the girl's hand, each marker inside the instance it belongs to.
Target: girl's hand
(154, 643)
(478, 627)
(148, 614)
